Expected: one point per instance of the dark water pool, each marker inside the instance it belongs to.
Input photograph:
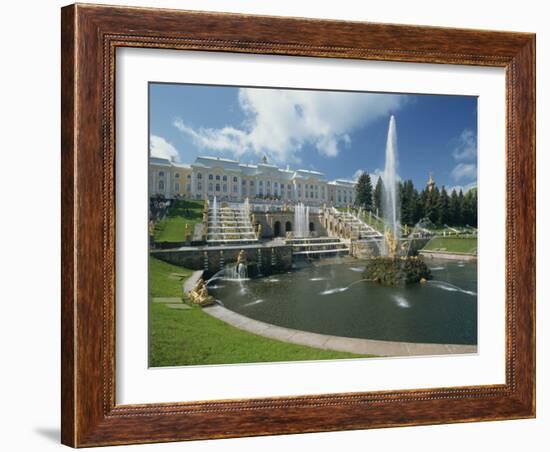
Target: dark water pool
(331, 298)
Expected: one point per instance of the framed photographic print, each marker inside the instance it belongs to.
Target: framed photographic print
(282, 225)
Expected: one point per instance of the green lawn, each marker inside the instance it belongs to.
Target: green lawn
(453, 245)
(161, 281)
(183, 337)
(180, 213)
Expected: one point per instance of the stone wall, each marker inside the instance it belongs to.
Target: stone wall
(362, 249)
(270, 229)
(274, 259)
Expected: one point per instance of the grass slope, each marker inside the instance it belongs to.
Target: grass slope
(453, 245)
(180, 213)
(184, 337)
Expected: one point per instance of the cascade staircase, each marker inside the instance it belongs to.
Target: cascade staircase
(359, 229)
(229, 225)
(318, 246)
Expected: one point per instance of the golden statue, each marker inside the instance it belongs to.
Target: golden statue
(199, 294)
(259, 230)
(391, 242)
(241, 258)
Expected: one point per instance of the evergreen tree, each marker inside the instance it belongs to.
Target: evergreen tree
(431, 205)
(462, 219)
(378, 193)
(419, 207)
(470, 208)
(456, 213)
(443, 208)
(364, 192)
(409, 203)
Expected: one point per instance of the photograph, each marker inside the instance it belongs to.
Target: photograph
(292, 225)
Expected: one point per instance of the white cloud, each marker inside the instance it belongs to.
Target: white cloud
(373, 176)
(464, 171)
(281, 122)
(464, 188)
(466, 147)
(160, 148)
(465, 152)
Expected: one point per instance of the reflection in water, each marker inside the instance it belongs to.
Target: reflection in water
(331, 298)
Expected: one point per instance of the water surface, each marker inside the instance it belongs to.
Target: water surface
(330, 297)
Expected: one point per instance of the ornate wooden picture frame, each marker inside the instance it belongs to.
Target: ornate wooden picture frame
(90, 37)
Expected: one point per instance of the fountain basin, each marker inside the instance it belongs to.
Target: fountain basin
(331, 297)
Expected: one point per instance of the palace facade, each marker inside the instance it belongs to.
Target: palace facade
(230, 180)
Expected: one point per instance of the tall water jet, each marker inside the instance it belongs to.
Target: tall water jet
(394, 267)
(390, 202)
(301, 220)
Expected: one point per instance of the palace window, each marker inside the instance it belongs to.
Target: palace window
(161, 185)
(199, 176)
(210, 187)
(217, 187)
(234, 189)
(161, 173)
(189, 176)
(261, 183)
(235, 179)
(188, 187)
(177, 186)
(210, 177)
(224, 188)
(225, 178)
(252, 183)
(217, 177)
(199, 186)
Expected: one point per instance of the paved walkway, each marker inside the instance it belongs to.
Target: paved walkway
(448, 255)
(337, 343)
(190, 283)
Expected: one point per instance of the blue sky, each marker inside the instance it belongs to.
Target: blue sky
(338, 133)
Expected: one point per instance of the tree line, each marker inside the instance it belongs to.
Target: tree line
(436, 205)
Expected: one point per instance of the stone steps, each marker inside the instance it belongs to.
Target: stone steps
(229, 225)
